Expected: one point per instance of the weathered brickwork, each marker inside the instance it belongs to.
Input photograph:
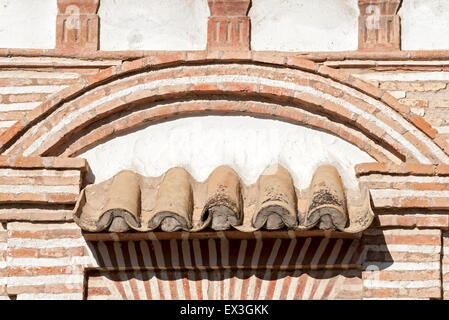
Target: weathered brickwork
(45, 261)
(379, 25)
(172, 272)
(216, 285)
(3, 270)
(228, 26)
(391, 104)
(444, 266)
(425, 92)
(77, 25)
(402, 263)
(26, 82)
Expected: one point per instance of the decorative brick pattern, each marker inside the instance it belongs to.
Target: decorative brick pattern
(40, 260)
(226, 284)
(353, 57)
(22, 91)
(320, 91)
(106, 130)
(409, 185)
(379, 25)
(402, 264)
(45, 261)
(390, 103)
(214, 269)
(225, 252)
(26, 82)
(228, 26)
(426, 92)
(39, 180)
(77, 25)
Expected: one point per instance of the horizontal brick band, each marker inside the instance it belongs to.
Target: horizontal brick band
(408, 185)
(402, 169)
(314, 56)
(40, 181)
(42, 162)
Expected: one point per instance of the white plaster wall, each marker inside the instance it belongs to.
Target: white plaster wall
(304, 25)
(248, 145)
(425, 24)
(153, 24)
(28, 23)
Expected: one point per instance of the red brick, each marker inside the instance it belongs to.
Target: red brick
(423, 125)
(338, 75)
(435, 221)
(44, 271)
(366, 87)
(418, 168)
(394, 103)
(415, 103)
(302, 64)
(370, 168)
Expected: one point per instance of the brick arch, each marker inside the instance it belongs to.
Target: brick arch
(287, 81)
(109, 129)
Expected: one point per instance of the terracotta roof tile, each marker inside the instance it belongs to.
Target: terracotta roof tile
(327, 203)
(175, 201)
(276, 200)
(223, 208)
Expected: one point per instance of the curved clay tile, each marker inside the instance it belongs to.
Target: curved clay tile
(174, 202)
(129, 200)
(327, 204)
(121, 208)
(223, 206)
(276, 200)
(360, 216)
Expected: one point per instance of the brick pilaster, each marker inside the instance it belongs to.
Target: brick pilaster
(77, 25)
(228, 25)
(379, 25)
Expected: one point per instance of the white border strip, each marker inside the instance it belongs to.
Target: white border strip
(403, 266)
(18, 189)
(43, 244)
(400, 284)
(30, 89)
(45, 280)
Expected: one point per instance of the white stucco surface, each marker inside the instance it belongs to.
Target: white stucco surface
(304, 25)
(28, 24)
(153, 24)
(248, 145)
(425, 24)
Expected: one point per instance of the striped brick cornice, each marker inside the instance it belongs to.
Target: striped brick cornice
(224, 253)
(228, 234)
(226, 268)
(225, 284)
(408, 185)
(303, 83)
